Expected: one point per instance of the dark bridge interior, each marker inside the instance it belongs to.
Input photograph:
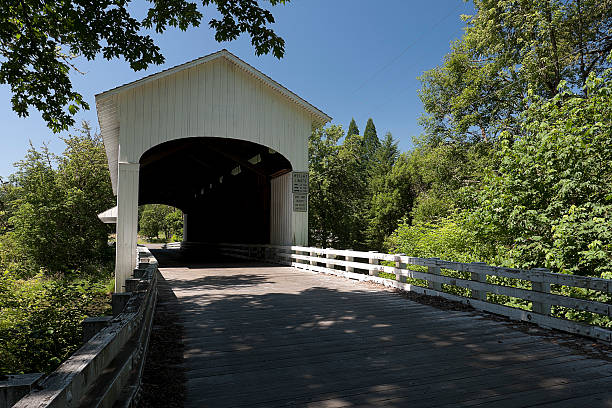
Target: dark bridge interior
(221, 185)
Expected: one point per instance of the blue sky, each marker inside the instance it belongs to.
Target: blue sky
(350, 58)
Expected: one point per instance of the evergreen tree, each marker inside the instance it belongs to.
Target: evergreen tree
(382, 163)
(370, 141)
(386, 202)
(386, 155)
(352, 129)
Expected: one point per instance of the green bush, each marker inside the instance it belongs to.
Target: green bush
(40, 319)
(449, 239)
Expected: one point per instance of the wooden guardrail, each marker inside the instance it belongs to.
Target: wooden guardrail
(477, 279)
(107, 370)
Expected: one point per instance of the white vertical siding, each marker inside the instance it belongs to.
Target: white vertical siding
(216, 99)
(281, 225)
(286, 226)
(300, 228)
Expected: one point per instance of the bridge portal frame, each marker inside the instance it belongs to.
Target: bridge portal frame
(219, 96)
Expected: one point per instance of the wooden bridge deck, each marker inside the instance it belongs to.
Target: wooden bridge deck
(266, 336)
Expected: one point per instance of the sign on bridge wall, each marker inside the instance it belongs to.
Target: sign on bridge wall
(300, 202)
(300, 191)
(300, 182)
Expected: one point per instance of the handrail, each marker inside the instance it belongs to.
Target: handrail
(108, 367)
(434, 271)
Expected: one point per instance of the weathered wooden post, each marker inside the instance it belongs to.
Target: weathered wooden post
(478, 274)
(542, 287)
(372, 261)
(434, 270)
(131, 284)
(14, 387)
(118, 302)
(92, 325)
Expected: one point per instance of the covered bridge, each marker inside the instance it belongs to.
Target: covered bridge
(217, 139)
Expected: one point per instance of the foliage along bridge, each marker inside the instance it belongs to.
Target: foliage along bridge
(269, 321)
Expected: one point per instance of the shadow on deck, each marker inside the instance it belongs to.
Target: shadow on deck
(260, 335)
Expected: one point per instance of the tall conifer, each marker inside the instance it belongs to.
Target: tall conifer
(352, 129)
(370, 140)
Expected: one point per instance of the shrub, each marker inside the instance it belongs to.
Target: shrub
(40, 320)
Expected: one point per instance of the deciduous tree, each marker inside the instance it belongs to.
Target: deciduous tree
(550, 203)
(510, 47)
(39, 41)
(55, 203)
(338, 188)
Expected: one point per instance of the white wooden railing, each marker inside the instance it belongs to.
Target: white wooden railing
(400, 272)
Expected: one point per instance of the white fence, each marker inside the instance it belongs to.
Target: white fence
(367, 266)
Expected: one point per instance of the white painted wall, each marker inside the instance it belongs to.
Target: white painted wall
(215, 99)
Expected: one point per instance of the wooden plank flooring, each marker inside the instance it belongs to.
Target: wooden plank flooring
(257, 335)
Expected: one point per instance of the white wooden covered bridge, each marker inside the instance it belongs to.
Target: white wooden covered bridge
(217, 139)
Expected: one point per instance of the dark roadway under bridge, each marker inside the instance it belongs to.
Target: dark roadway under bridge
(221, 185)
(258, 335)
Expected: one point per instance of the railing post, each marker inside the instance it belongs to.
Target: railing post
(478, 275)
(131, 284)
(119, 301)
(92, 325)
(349, 259)
(542, 287)
(434, 270)
(330, 256)
(372, 261)
(398, 266)
(313, 255)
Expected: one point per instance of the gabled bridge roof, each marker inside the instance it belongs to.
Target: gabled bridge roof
(109, 110)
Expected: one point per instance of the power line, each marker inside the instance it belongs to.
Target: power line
(417, 39)
(563, 58)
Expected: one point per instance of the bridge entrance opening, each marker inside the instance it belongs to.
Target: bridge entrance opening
(224, 187)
